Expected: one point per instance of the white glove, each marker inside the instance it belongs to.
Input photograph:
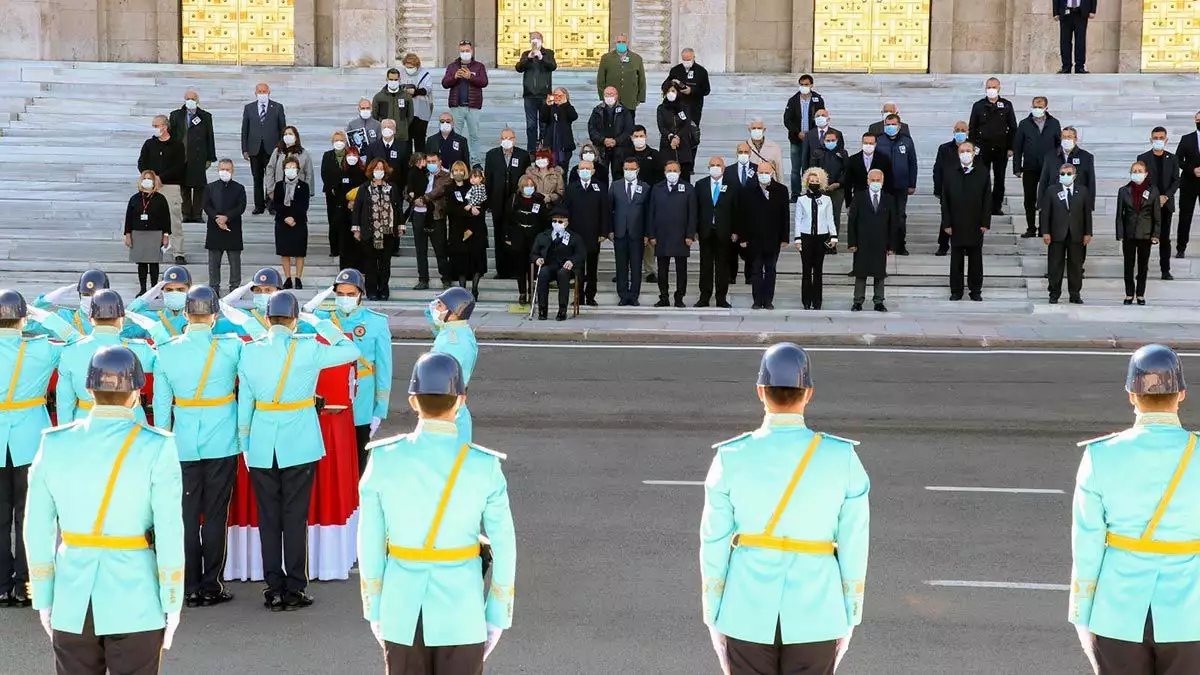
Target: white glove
(1088, 642)
(238, 293)
(59, 295)
(141, 321)
(310, 319)
(169, 631)
(236, 316)
(312, 305)
(843, 646)
(377, 631)
(154, 292)
(493, 637)
(44, 615)
(718, 643)
(36, 313)
(375, 422)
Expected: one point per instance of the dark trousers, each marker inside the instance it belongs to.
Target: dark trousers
(997, 159)
(416, 135)
(860, 290)
(362, 436)
(629, 252)
(207, 489)
(258, 164)
(428, 231)
(806, 658)
(901, 200)
(1073, 25)
(762, 275)
(973, 256)
(590, 271)
(1029, 185)
(737, 258)
(1137, 251)
(14, 482)
(550, 273)
(713, 251)
(1164, 242)
(147, 272)
(283, 496)
(1069, 253)
(664, 270)
(214, 268)
(1189, 192)
(193, 202)
(1118, 657)
(422, 660)
(812, 260)
(91, 654)
(377, 268)
(339, 225)
(504, 269)
(533, 133)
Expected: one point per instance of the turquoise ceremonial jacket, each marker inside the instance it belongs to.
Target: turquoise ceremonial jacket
(170, 324)
(183, 366)
(21, 424)
(129, 591)
(1122, 478)
(400, 491)
(72, 315)
(369, 330)
(73, 368)
(291, 437)
(457, 339)
(748, 591)
(257, 329)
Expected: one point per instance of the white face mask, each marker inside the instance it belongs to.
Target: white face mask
(339, 145)
(445, 127)
(190, 104)
(687, 63)
(804, 90)
(364, 113)
(1158, 144)
(147, 184)
(1137, 177)
(743, 158)
(291, 172)
(85, 304)
(1068, 144)
(993, 93)
(225, 176)
(672, 176)
(589, 157)
(393, 86)
(289, 139)
(610, 101)
(639, 143)
(465, 56)
(558, 228)
(506, 143)
(157, 131)
(410, 71)
(379, 174)
(631, 176)
(821, 120)
(965, 158)
(537, 44)
(387, 133)
(542, 163)
(757, 134)
(262, 98)
(1038, 112)
(716, 171)
(352, 159)
(671, 96)
(868, 149)
(764, 178)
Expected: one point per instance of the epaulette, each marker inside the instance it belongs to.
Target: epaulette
(387, 441)
(839, 438)
(735, 439)
(488, 451)
(61, 427)
(155, 430)
(34, 338)
(1082, 444)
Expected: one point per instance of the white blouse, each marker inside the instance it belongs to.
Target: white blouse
(825, 222)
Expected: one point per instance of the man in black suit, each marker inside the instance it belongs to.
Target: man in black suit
(716, 210)
(628, 199)
(587, 209)
(262, 127)
(966, 217)
(815, 142)
(448, 143)
(610, 127)
(1038, 135)
(558, 255)
(947, 160)
(1069, 152)
(1072, 17)
(1188, 153)
(502, 168)
(691, 81)
(861, 163)
(739, 176)
(871, 230)
(1163, 170)
(194, 128)
(1066, 228)
(392, 151)
(889, 108)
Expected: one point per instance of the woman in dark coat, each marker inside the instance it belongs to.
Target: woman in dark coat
(378, 221)
(587, 153)
(147, 228)
(466, 238)
(678, 134)
(763, 211)
(557, 114)
(338, 177)
(290, 198)
(527, 217)
(1139, 221)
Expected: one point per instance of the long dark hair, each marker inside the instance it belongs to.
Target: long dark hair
(297, 148)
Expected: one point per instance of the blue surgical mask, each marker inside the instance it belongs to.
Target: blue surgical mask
(960, 137)
(622, 47)
(174, 300)
(585, 174)
(1158, 145)
(261, 300)
(1066, 179)
(831, 145)
(346, 303)
(431, 168)
(527, 190)
(875, 187)
(891, 129)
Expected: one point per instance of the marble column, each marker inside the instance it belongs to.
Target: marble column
(362, 32)
(23, 31)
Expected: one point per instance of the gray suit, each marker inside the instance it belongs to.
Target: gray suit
(628, 224)
(260, 135)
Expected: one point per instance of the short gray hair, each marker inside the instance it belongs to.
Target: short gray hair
(225, 160)
(757, 120)
(161, 118)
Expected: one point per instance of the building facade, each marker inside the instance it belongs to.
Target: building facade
(751, 36)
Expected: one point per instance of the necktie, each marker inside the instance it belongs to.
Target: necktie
(742, 174)
(716, 191)
(629, 190)
(262, 113)
(813, 211)
(875, 200)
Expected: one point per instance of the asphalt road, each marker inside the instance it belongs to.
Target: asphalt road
(608, 577)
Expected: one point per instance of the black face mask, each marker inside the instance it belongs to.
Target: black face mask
(1197, 126)
(814, 187)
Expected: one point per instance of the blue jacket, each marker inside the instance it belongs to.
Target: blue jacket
(194, 373)
(71, 392)
(170, 324)
(903, 153)
(23, 414)
(457, 339)
(369, 330)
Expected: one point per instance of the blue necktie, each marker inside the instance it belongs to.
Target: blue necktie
(716, 191)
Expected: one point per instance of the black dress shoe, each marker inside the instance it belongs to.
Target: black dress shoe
(634, 303)
(180, 260)
(215, 598)
(1141, 301)
(856, 307)
(651, 278)
(523, 300)
(807, 305)
(701, 303)
(193, 600)
(20, 598)
(293, 600)
(421, 286)
(663, 302)
(542, 315)
(1179, 253)
(1053, 300)
(6, 600)
(1064, 71)
(880, 307)
(941, 252)
(747, 281)
(998, 212)
(446, 284)
(724, 304)
(679, 303)
(623, 303)
(756, 306)
(1127, 301)
(769, 306)
(976, 297)
(258, 212)
(298, 284)
(955, 297)
(1029, 234)
(1082, 71)
(273, 600)
(1076, 300)
(287, 283)
(562, 315)
(1167, 276)
(614, 279)
(902, 251)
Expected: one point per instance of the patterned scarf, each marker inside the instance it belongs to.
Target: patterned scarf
(381, 214)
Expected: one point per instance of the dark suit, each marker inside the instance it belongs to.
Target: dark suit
(450, 149)
(555, 254)
(396, 157)
(1137, 227)
(501, 176)
(1066, 218)
(628, 205)
(856, 174)
(1030, 148)
(714, 228)
(765, 227)
(737, 176)
(946, 161)
(615, 123)
(200, 150)
(1188, 153)
(260, 134)
(967, 213)
(872, 233)
(670, 223)
(814, 143)
(1085, 173)
(876, 129)
(1072, 23)
(587, 206)
(1167, 182)
(229, 200)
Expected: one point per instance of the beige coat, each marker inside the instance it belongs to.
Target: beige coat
(770, 152)
(548, 183)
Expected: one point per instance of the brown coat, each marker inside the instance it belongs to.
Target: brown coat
(436, 197)
(548, 183)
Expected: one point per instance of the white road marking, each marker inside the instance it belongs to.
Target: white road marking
(1015, 491)
(1011, 585)
(673, 482)
(757, 348)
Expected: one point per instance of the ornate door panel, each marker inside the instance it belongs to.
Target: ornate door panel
(861, 36)
(247, 32)
(1171, 36)
(577, 30)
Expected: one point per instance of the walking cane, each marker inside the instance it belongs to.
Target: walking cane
(533, 287)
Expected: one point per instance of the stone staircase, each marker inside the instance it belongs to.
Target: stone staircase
(70, 134)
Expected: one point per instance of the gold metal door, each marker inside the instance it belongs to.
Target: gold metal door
(577, 30)
(245, 32)
(1171, 36)
(869, 36)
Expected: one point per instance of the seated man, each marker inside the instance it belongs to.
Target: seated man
(557, 254)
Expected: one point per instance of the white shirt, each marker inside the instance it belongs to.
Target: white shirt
(803, 223)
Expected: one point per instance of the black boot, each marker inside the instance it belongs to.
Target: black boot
(475, 287)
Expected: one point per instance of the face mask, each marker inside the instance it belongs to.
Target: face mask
(622, 47)
(445, 127)
(464, 56)
(339, 145)
(558, 228)
(346, 303)
(960, 137)
(868, 149)
(639, 143)
(431, 168)
(378, 174)
(814, 187)
(291, 172)
(438, 317)
(1068, 144)
(875, 187)
(1158, 145)
(716, 171)
(393, 86)
(156, 131)
(364, 113)
(589, 157)
(410, 71)
(610, 101)
(262, 98)
(289, 139)
(147, 184)
(993, 93)
(757, 134)
(672, 176)
(261, 300)
(585, 174)
(764, 178)
(85, 304)
(821, 120)
(891, 129)
(506, 143)
(387, 133)
(804, 90)
(1066, 179)
(687, 63)
(743, 158)
(1137, 177)
(527, 190)
(225, 176)
(831, 145)
(542, 163)
(537, 44)
(1038, 112)
(352, 159)
(965, 158)
(630, 176)
(174, 300)
(671, 96)
(190, 104)
(459, 176)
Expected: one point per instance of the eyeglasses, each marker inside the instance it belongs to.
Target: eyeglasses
(1066, 174)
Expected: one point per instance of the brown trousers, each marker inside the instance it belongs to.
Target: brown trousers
(91, 654)
(1118, 657)
(422, 660)
(808, 658)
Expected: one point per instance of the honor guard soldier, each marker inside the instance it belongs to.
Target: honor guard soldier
(423, 498)
(1135, 537)
(107, 312)
(783, 538)
(448, 314)
(29, 362)
(281, 437)
(265, 282)
(171, 319)
(89, 283)
(110, 595)
(194, 380)
(369, 330)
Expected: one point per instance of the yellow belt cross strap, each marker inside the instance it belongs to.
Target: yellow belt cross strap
(1146, 543)
(162, 316)
(364, 366)
(199, 401)
(274, 405)
(96, 538)
(9, 404)
(768, 540)
(428, 553)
